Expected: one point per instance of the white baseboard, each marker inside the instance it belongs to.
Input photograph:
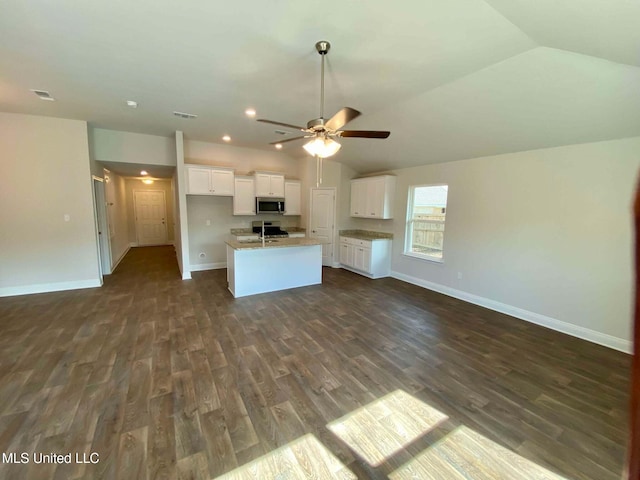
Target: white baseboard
(133, 244)
(594, 336)
(49, 287)
(207, 266)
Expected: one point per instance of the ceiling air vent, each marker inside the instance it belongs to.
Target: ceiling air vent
(185, 115)
(43, 95)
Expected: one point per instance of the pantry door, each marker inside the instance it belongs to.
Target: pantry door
(151, 220)
(322, 221)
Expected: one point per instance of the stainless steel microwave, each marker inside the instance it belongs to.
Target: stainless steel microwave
(270, 205)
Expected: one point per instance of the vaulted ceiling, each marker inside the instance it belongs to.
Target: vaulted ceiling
(451, 80)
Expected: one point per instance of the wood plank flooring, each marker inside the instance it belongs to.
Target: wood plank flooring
(166, 379)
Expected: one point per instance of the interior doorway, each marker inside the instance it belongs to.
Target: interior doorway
(102, 228)
(322, 221)
(151, 218)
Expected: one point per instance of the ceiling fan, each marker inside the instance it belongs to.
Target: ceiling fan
(321, 132)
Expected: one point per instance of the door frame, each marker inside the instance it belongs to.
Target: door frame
(103, 243)
(135, 215)
(334, 232)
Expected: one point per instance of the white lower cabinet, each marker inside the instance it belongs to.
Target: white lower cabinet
(371, 258)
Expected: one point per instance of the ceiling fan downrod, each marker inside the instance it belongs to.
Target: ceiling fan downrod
(323, 48)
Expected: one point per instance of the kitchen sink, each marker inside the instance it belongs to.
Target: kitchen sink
(259, 241)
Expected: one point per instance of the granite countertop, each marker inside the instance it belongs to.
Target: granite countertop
(366, 235)
(249, 231)
(273, 243)
(294, 229)
(242, 231)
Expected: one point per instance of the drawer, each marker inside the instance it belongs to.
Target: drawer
(356, 241)
(362, 243)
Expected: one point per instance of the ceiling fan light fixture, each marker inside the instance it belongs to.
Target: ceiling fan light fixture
(322, 147)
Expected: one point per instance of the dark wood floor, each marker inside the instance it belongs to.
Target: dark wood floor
(171, 379)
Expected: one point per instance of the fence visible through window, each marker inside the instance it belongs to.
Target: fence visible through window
(426, 222)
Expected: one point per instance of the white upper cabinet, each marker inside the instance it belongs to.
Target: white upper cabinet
(203, 180)
(244, 199)
(358, 198)
(292, 204)
(269, 185)
(372, 197)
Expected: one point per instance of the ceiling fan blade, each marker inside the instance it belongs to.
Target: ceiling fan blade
(287, 140)
(363, 133)
(295, 127)
(341, 118)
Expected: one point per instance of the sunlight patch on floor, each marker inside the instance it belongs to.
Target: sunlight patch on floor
(465, 454)
(305, 457)
(383, 427)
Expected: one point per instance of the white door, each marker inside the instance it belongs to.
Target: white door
(322, 216)
(151, 225)
(100, 207)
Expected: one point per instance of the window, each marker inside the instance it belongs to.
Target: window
(426, 211)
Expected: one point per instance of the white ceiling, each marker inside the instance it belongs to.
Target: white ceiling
(451, 80)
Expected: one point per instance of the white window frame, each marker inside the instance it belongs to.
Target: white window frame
(408, 239)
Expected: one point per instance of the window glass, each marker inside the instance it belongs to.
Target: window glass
(426, 214)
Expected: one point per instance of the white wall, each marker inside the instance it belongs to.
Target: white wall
(127, 147)
(243, 160)
(209, 239)
(45, 175)
(544, 235)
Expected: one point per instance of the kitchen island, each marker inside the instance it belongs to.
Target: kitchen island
(255, 267)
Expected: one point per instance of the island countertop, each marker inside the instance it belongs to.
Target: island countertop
(272, 243)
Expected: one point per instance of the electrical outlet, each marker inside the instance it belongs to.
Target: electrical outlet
(459, 275)
(208, 222)
(67, 217)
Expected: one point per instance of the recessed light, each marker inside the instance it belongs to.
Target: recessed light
(132, 104)
(143, 172)
(226, 138)
(250, 112)
(43, 95)
(279, 146)
(147, 181)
